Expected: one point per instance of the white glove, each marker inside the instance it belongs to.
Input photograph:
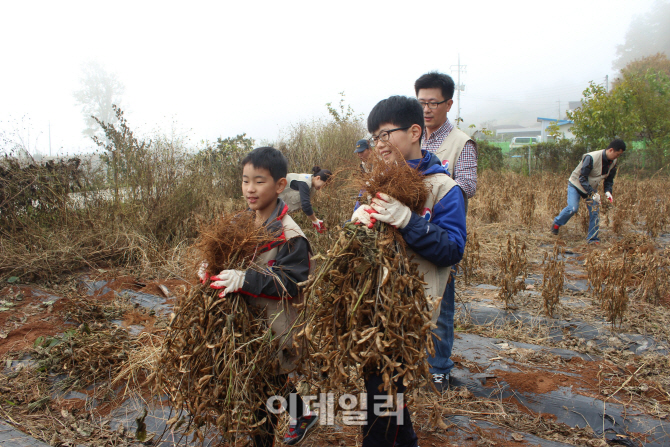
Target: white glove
(391, 211)
(362, 216)
(609, 196)
(228, 280)
(319, 225)
(202, 272)
(596, 198)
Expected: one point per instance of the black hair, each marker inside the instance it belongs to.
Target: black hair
(435, 79)
(323, 174)
(267, 158)
(618, 145)
(400, 111)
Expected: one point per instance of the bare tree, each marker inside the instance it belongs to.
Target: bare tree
(99, 91)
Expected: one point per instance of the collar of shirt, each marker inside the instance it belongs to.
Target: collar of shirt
(606, 161)
(436, 138)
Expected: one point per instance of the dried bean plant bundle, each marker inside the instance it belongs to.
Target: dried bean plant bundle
(214, 363)
(370, 313)
(218, 355)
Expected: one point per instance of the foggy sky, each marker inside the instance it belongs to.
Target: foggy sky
(218, 70)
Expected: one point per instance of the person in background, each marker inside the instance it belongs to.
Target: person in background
(299, 193)
(583, 183)
(363, 151)
(454, 147)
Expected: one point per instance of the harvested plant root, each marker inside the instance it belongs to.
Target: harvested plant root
(230, 243)
(397, 180)
(369, 313)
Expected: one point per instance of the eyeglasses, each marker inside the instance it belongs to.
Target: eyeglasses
(384, 135)
(431, 105)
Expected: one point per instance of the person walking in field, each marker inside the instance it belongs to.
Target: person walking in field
(583, 184)
(299, 193)
(454, 147)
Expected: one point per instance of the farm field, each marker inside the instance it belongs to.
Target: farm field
(557, 342)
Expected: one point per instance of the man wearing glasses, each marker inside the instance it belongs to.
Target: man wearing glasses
(451, 145)
(459, 156)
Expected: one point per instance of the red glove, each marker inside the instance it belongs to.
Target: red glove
(203, 274)
(319, 225)
(229, 280)
(362, 216)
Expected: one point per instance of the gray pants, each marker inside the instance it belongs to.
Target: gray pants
(465, 200)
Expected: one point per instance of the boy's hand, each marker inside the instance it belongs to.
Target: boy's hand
(596, 198)
(362, 216)
(228, 280)
(391, 211)
(609, 196)
(319, 225)
(203, 274)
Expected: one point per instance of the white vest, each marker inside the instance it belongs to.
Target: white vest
(291, 197)
(596, 174)
(451, 148)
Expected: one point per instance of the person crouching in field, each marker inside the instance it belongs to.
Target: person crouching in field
(299, 193)
(276, 289)
(436, 238)
(583, 183)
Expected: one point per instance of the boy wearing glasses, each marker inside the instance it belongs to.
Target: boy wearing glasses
(436, 238)
(451, 145)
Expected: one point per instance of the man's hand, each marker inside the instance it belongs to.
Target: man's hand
(596, 198)
(362, 216)
(609, 196)
(203, 274)
(391, 211)
(228, 280)
(319, 225)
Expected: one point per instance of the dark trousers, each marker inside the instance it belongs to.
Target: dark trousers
(266, 436)
(465, 200)
(385, 431)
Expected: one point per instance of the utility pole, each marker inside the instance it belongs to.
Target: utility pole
(459, 86)
(607, 83)
(559, 111)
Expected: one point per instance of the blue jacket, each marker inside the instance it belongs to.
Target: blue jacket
(439, 236)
